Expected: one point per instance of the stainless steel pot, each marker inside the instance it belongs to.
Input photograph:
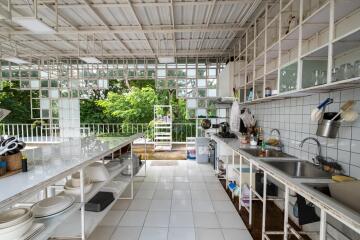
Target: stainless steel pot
(328, 128)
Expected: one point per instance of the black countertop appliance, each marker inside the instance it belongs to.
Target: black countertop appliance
(224, 128)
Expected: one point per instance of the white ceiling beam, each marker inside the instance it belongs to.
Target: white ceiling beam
(52, 8)
(247, 16)
(208, 18)
(138, 4)
(4, 13)
(8, 26)
(102, 20)
(146, 29)
(34, 38)
(139, 23)
(143, 53)
(173, 23)
(19, 44)
(127, 40)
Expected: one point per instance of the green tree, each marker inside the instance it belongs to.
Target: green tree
(131, 107)
(17, 101)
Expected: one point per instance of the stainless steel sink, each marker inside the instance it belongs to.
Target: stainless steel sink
(299, 169)
(268, 153)
(323, 188)
(319, 187)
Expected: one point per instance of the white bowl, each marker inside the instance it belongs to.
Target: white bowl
(16, 231)
(52, 205)
(97, 172)
(72, 190)
(14, 216)
(75, 179)
(113, 165)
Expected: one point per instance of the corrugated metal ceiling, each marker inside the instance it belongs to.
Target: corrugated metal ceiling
(130, 27)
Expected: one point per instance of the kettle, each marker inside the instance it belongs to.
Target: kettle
(224, 127)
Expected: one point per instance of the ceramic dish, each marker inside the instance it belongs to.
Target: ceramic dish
(13, 216)
(71, 190)
(113, 166)
(75, 179)
(97, 172)
(16, 231)
(52, 205)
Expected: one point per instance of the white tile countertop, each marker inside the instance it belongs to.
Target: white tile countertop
(348, 216)
(50, 163)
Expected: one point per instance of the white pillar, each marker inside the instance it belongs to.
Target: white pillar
(69, 117)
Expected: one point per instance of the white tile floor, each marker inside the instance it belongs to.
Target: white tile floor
(182, 202)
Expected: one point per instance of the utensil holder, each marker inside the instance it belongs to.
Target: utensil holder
(328, 128)
(13, 162)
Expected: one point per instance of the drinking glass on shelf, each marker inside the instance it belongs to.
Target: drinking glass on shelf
(335, 74)
(346, 71)
(357, 68)
(322, 77)
(319, 77)
(293, 81)
(315, 77)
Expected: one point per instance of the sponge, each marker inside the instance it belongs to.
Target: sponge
(342, 178)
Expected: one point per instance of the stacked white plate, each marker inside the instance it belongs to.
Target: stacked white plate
(75, 190)
(75, 179)
(52, 206)
(15, 222)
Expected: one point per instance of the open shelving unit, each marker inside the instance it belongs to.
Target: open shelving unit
(50, 177)
(72, 226)
(299, 57)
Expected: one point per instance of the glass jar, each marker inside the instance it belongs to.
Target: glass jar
(357, 68)
(346, 71)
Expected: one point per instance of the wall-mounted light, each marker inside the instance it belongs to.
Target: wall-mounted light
(15, 60)
(34, 25)
(167, 59)
(90, 60)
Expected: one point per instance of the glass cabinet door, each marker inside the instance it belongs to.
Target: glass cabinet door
(314, 72)
(288, 77)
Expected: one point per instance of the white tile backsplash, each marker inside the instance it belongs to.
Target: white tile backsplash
(292, 118)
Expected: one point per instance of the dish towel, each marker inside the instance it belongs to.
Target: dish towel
(235, 117)
(248, 119)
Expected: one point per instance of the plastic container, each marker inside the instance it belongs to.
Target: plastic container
(2, 167)
(328, 128)
(99, 202)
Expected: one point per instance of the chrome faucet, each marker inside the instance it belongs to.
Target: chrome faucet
(275, 130)
(280, 145)
(315, 160)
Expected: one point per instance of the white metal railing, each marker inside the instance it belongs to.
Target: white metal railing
(51, 132)
(179, 130)
(31, 132)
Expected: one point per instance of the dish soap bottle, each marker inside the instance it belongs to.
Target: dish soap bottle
(260, 137)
